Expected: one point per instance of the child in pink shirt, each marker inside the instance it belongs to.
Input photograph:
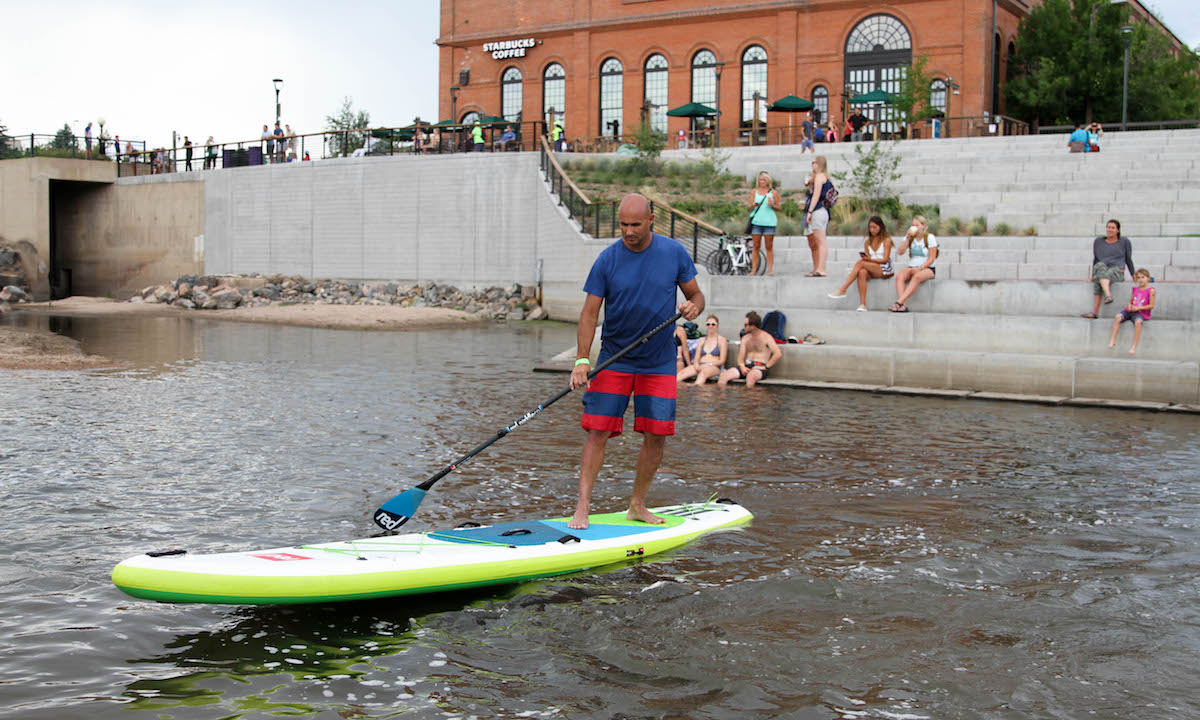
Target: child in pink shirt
(1141, 302)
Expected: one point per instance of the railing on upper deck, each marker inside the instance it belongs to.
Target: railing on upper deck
(1135, 126)
(147, 160)
(599, 219)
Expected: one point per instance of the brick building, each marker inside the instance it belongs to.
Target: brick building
(593, 63)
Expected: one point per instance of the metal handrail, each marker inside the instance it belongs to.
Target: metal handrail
(699, 237)
(1116, 126)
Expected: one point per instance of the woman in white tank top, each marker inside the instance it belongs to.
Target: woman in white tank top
(874, 262)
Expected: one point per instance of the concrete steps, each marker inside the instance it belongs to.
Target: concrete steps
(1057, 378)
(799, 296)
(1027, 335)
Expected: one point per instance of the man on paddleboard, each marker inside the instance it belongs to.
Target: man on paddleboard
(634, 279)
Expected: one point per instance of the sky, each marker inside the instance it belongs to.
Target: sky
(205, 68)
(200, 69)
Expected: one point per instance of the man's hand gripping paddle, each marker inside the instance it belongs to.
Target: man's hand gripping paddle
(400, 509)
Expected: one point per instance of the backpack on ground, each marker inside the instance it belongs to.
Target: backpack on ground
(774, 323)
(692, 330)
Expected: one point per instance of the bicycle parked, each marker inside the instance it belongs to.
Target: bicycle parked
(733, 257)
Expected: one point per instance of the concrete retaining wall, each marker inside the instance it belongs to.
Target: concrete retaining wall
(467, 220)
(117, 239)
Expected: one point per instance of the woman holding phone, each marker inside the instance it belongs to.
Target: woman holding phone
(874, 261)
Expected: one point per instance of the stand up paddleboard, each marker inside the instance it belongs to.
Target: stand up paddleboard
(413, 563)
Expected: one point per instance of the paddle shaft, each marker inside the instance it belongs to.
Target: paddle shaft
(560, 395)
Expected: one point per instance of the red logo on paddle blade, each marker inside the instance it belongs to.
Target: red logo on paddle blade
(281, 556)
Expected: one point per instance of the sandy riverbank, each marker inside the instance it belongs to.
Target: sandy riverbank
(27, 349)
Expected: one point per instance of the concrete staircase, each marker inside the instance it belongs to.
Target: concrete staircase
(1169, 259)
(1150, 181)
(1002, 318)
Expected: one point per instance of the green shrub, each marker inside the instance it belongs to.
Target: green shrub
(978, 227)
(1002, 229)
(1031, 230)
(953, 226)
(791, 208)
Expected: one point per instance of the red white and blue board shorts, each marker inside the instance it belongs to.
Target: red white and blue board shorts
(606, 399)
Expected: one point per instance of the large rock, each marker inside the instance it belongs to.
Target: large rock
(538, 313)
(227, 299)
(15, 293)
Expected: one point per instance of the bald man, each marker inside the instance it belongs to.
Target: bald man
(635, 281)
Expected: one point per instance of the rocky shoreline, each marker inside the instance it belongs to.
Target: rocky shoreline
(193, 292)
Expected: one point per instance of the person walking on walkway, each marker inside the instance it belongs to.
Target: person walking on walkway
(1111, 254)
(635, 281)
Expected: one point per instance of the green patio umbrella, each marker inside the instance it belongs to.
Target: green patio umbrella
(444, 123)
(875, 96)
(692, 109)
(791, 103)
(492, 120)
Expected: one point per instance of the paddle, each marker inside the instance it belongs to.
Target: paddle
(400, 509)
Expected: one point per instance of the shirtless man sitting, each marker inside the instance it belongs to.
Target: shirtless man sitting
(756, 354)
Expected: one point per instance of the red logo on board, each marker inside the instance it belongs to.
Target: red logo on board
(282, 557)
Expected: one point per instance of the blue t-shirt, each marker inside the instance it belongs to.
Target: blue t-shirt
(1080, 135)
(638, 289)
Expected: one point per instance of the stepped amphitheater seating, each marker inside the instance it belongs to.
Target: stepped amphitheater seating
(1150, 181)
(1003, 314)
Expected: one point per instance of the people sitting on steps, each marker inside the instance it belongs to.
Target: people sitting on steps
(922, 249)
(709, 357)
(874, 262)
(757, 354)
(1111, 254)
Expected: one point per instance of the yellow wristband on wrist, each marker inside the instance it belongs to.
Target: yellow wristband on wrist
(583, 361)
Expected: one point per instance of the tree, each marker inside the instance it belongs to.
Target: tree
(873, 176)
(64, 139)
(649, 146)
(1069, 60)
(343, 120)
(913, 101)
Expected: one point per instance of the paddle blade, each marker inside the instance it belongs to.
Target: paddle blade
(397, 511)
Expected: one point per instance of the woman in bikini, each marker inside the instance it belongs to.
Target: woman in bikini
(875, 261)
(710, 357)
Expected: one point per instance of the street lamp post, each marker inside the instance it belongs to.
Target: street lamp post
(951, 91)
(278, 86)
(717, 68)
(454, 89)
(1126, 37)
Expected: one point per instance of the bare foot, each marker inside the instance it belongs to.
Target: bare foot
(1113, 343)
(1133, 350)
(579, 521)
(643, 515)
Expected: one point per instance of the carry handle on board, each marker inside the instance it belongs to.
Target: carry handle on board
(400, 509)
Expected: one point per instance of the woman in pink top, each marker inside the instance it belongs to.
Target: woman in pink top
(1141, 302)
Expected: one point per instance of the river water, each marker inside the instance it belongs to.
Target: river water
(910, 557)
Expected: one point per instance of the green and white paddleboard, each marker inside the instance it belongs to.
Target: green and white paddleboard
(414, 563)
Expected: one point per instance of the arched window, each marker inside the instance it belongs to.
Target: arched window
(611, 80)
(878, 54)
(554, 93)
(510, 95)
(820, 101)
(704, 83)
(470, 118)
(754, 81)
(937, 94)
(656, 92)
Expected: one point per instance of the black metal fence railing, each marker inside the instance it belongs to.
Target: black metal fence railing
(73, 146)
(139, 158)
(599, 219)
(1140, 125)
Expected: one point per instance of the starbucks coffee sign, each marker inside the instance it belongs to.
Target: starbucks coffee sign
(509, 48)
